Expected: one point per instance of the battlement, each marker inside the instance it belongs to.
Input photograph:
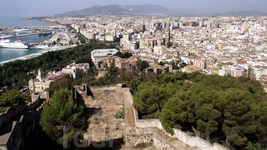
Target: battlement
(16, 124)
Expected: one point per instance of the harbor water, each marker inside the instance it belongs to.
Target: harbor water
(42, 141)
(8, 53)
(17, 21)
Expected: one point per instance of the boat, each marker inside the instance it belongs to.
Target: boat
(45, 34)
(5, 36)
(22, 32)
(44, 47)
(14, 44)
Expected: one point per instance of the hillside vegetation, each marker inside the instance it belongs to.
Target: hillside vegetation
(18, 73)
(228, 110)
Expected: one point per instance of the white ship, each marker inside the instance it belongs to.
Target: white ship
(43, 47)
(14, 44)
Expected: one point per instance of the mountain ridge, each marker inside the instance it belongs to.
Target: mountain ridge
(242, 13)
(148, 9)
(114, 9)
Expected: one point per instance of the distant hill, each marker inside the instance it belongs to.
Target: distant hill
(149, 8)
(242, 13)
(120, 10)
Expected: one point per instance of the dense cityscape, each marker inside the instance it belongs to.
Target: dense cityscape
(212, 45)
(142, 81)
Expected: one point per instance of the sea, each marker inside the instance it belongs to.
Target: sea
(16, 21)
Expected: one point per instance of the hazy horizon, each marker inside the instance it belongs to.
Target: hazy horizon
(34, 7)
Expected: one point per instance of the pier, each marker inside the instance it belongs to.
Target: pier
(21, 32)
(45, 34)
(19, 35)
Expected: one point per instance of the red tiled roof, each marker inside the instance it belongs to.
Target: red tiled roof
(241, 61)
(36, 80)
(59, 76)
(48, 76)
(229, 63)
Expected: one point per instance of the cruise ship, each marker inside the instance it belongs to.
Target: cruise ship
(14, 44)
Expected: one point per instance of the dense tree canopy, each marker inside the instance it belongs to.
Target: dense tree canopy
(63, 83)
(150, 101)
(12, 98)
(124, 55)
(226, 109)
(62, 113)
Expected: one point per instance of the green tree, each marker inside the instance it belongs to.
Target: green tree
(161, 63)
(61, 112)
(174, 65)
(178, 112)
(138, 64)
(254, 146)
(208, 117)
(12, 98)
(149, 101)
(111, 75)
(133, 84)
(124, 55)
(239, 118)
(261, 133)
(63, 83)
(182, 65)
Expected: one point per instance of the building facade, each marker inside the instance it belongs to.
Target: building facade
(99, 55)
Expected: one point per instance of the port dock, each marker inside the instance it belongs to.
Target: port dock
(14, 36)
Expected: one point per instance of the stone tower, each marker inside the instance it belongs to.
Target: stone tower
(39, 75)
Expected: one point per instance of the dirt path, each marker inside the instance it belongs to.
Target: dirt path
(103, 127)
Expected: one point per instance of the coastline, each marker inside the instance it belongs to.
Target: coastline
(40, 19)
(12, 22)
(22, 22)
(29, 56)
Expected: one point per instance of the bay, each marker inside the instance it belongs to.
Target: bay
(9, 53)
(15, 21)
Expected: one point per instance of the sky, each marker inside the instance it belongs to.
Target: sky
(47, 7)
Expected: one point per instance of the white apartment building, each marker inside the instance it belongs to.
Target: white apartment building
(76, 70)
(98, 55)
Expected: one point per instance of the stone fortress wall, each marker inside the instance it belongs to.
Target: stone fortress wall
(17, 124)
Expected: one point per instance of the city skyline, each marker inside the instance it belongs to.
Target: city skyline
(33, 7)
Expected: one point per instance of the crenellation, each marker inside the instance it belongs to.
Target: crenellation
(20, 120)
